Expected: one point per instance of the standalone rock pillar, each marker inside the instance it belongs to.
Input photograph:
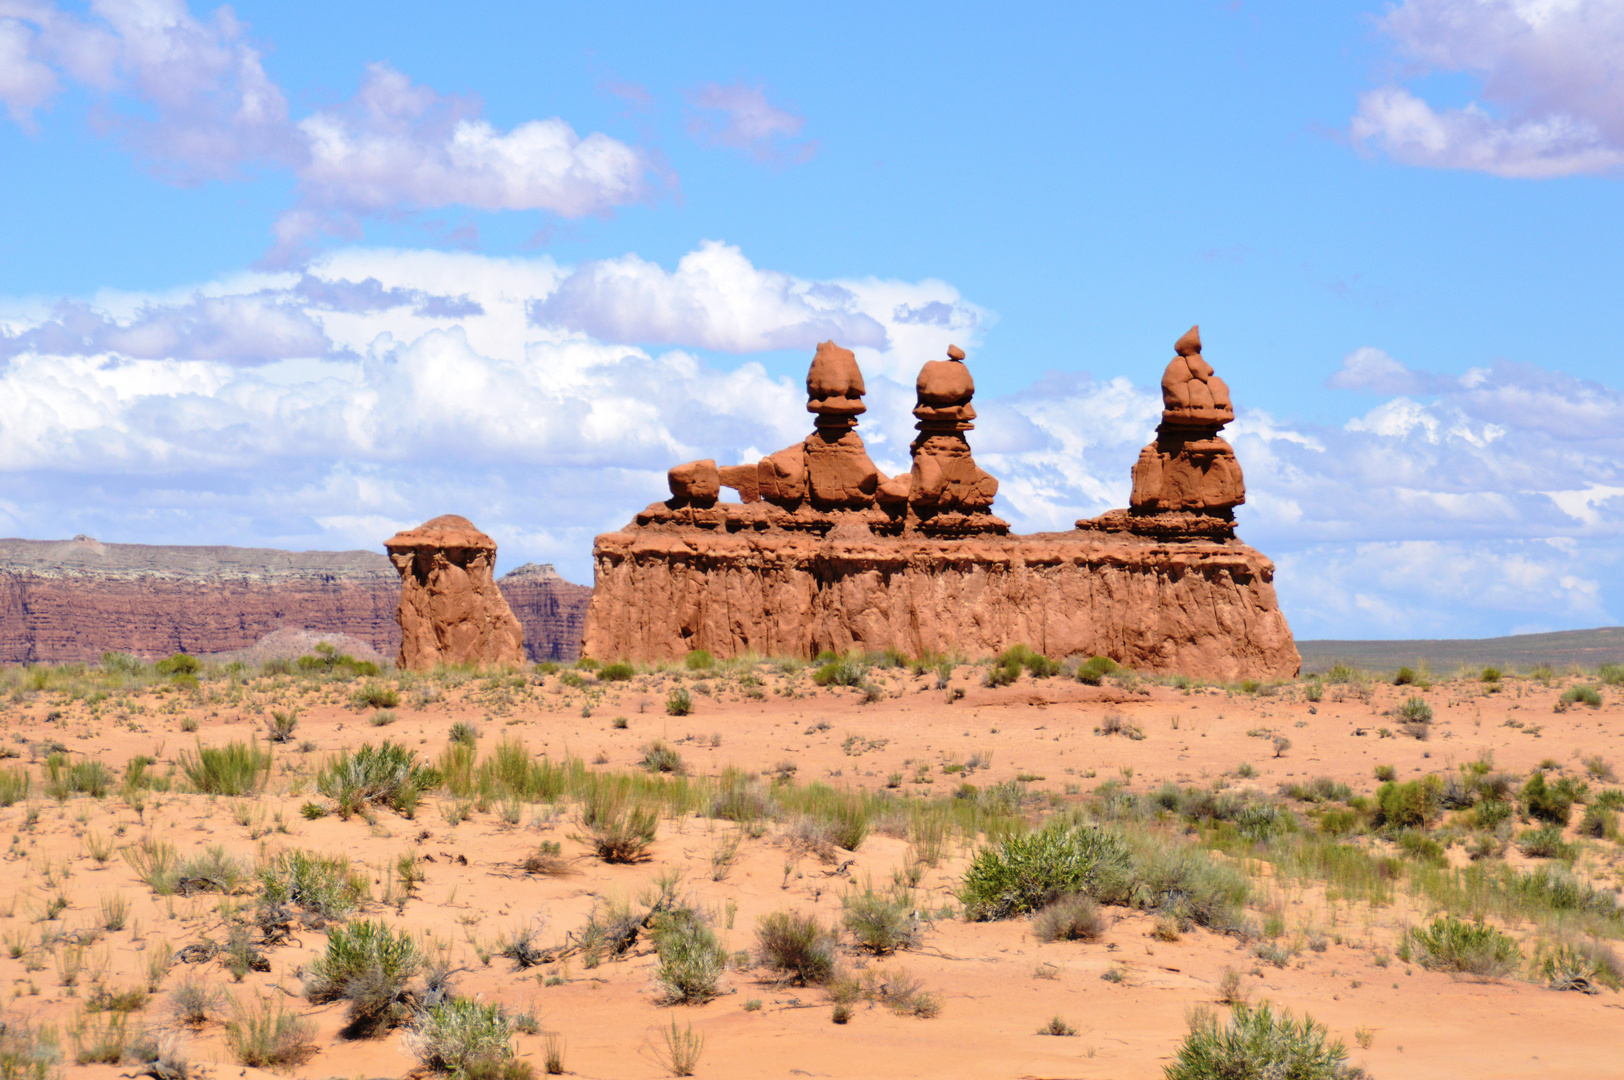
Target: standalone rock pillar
(451, 611)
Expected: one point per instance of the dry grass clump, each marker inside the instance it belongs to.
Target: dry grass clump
(797, 947)
(267, 1035)
(1071, 917)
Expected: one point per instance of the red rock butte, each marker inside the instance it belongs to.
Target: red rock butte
(823, 551)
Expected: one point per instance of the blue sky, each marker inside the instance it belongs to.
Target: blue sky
(297, 275)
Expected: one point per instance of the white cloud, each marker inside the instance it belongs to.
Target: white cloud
(192, 100)
(741, 117)
(1374, 370)
(1552, 75)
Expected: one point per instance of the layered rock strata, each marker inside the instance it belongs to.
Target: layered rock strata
(552, 611)
(66, 601)
(451, 611)
(917, 562)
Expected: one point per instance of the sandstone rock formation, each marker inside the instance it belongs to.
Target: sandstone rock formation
(1189, 472)
(551, 610)
(816, 558)
(70, 601)
(451, 611)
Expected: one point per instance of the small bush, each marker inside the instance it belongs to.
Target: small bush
(1073, 917)
(234, 769)
(179, 664)
(368, 966)
(460, 1036)
(1598, 824)
(1545, 843)
(1490, 675)
(1581, 967)
(14, 785)
(1452, 944)
(1255, 1042)
(881, 924)
(1415, 717)
(266, 1035)
(840, 673)
(1095, 669)
(388, 775)
(796, 946)
(375, 696)
(1582, 695)
(618, 831)
(1313, 690)
(1020, 873)
(1547, 802)
(1057, 1026)
(1411, 805)
(699, 660)
(682, 1049)
(327, 886)
(658, 757)
(616, 672)
(691, 959)
(279, 728)
(679, 702)
(195, 1002)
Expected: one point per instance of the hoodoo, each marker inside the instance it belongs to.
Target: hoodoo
(451, 611)
(823, 551)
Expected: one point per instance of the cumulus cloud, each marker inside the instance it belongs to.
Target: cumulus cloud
(230, 329)
(191, 98)
(1552, 76)
(740, 117)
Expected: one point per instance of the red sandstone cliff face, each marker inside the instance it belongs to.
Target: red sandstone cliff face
(551, 610)
(72, 600)
(1204, 608)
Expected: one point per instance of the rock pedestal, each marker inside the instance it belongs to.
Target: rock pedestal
(451, 611)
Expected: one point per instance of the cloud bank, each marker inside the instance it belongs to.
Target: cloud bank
(1552, 83)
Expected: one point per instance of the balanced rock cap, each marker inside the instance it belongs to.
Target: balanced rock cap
(1190, 343)
(834, 383)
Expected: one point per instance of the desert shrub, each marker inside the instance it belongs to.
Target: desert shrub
(796, 946)
(1580, 967)
(618, 830)
(1544, 843)
(658, 757)
(367, 966)
(87, 777)
(266, 1035)
(682, 1049)
(1411, 805)
(1313, 690)
(389, 775)
(616, 672)
(121, 663)
(463, 733)
(14, 785)
(839, 672)
(691, 960)
(847, 824)
(1452, 944)
(279, 728)
(1072, 917)
(1179, 880)
(1552, 803)
(699, 660)
(739, 800)
(1020, 873)
(1093, 670)
(679, 702)
(1598, 823)
(179, 664)
(462, 1036)
(1002, 673)
(1038, 665)
(210, 870)
(1490, 675)
(375, 696)
(1255, 1043)
(195, 1001)
(1404, 677)
(1611, 674)
(881, 924)
(1319, 790)
(1422, 848)
(233, 769)
(1582, 695)
(324, 885)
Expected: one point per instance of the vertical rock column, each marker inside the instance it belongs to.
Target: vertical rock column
(451, 611)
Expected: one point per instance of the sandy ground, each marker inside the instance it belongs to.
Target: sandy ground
(996, 982)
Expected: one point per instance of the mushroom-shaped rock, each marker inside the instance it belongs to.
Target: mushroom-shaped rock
(698, 482)
(451, 611)
(834, 383)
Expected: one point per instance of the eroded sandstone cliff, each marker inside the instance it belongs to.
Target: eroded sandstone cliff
(551, 610)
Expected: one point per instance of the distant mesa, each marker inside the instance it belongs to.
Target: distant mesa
(451, 610)
(824, 551)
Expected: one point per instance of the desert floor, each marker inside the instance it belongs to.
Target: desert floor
(993, 984)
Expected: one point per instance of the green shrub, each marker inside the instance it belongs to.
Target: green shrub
(1095, 669)
(233, 769)
(1582, 695)
(691, 960)
(179, 664)
(88, 777)
(1544, 843)
(699, 660)
(1452, 944)
(1611, 674)
(616, 672)
(461, 1035)
(1422, 848)
(1598, 823)
(1581, 967)
(1256, 1043)
(1404, 677)
(1073, 917)
(1038, 665)
(796, 946)
(658, 757)
(367, 966)
(1414, 804)
(375, 696)
(1552, 803)
(679, 702)
(1002, 673)
(1313, 690)
(388, 775)
(881, 924)
(618, 831)
(839, 673)
(1020, 873)
(266, 1035)
(848, 824)
(324, 885)
(1490, 675)
(14, 785)
(1415, 710)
